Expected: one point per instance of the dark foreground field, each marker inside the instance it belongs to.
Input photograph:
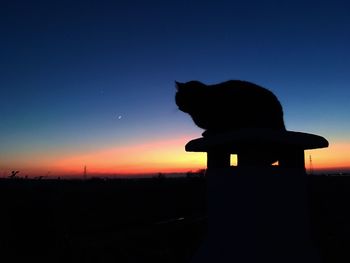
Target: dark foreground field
(151, 220)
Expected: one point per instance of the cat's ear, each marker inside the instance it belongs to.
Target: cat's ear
(178, 85)
(193, 84)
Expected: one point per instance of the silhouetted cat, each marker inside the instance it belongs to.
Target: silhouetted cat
(229, 106)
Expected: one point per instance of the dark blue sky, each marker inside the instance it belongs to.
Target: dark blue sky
(90, 74)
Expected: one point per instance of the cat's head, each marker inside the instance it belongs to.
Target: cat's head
(192, 97)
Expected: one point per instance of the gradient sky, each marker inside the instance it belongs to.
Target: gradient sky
(92, 82)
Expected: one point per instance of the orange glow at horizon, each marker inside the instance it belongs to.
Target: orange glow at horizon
(336, 156)
(151, 157)
(165, 156)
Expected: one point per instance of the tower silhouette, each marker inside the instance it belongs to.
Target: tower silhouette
(311, 168)
(85, 173)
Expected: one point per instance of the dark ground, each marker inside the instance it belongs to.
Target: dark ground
(101, 221)
(150, 220)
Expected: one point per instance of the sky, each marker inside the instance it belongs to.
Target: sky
(92, 83)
